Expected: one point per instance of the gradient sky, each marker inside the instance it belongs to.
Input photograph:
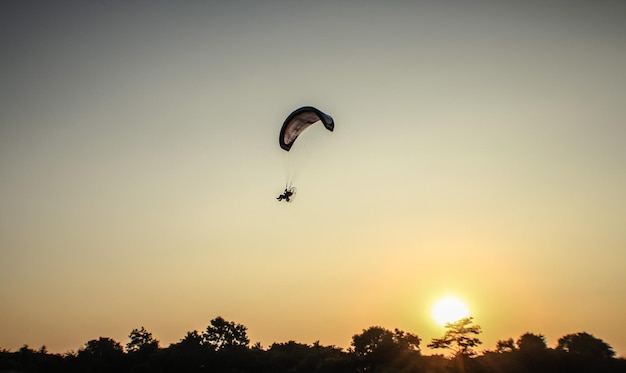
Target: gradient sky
(478, 151)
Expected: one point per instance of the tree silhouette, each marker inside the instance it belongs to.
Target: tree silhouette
(378, 340)
(374, 340)
(586, 346)
(191, 341)
(529, 342)
(408, 342)
(102, 355)
(507, 345)
(103, 348)
(224, 348)
(377, 347)
(223, 334)
(141, 341)
(458, 337)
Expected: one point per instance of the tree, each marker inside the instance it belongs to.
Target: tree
(586, 346)
(379, 347)
(377, 340)
(407, 341)
(103, 348)
(26, 350)
(530, 342)
(223, 334)
(373, 340)
(102, 355)
(458, 337)
(289, 356)
(298, 357)
(192, 339)
(505, 345)
(141, 341)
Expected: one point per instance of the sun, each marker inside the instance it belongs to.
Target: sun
(449, 309)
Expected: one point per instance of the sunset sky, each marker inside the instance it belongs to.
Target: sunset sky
(479, 152)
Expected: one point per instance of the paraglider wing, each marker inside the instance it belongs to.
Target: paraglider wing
(300, 120)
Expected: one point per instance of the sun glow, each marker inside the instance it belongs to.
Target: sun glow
(449, 309)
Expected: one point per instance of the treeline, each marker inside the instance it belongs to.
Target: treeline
(225, 347)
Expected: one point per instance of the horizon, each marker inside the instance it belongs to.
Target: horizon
(481, 349)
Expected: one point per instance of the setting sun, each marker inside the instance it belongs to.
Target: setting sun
(449, 309)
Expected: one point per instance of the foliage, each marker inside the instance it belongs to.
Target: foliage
(458, 337)
(223, 334)
(141, 341)
(103, 348)
(378, 346)
(376, 339)
(586, 346)
(102, 354)
(297, 357)
(193, 340)
(375, 350)
(529, 342)
(505, 345)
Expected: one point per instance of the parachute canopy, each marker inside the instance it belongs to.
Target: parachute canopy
(300, 120)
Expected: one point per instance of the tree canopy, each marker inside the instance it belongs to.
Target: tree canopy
(530, 342)
(459, 337)
(141, 340)
(223, 334)
(225, 347)
(586, 346)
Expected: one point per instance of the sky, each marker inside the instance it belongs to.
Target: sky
(478, 152)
